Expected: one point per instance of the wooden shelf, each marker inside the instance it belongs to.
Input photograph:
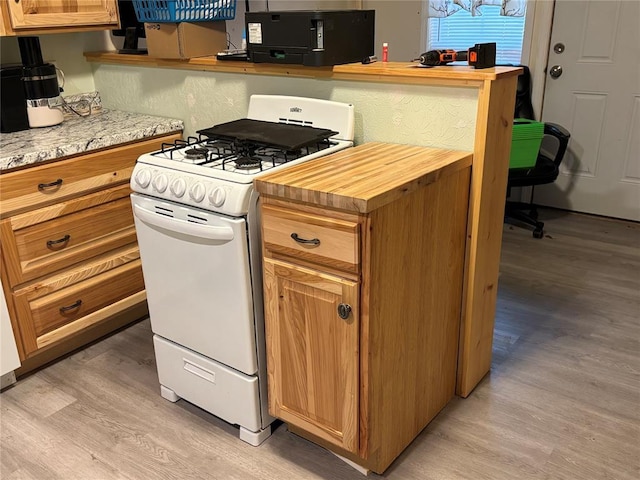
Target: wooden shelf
(392, 72)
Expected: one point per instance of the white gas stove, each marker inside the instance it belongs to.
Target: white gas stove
(195, 213)
(215, 171)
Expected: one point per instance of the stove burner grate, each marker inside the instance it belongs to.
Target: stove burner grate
(218, 147)
(238, 155)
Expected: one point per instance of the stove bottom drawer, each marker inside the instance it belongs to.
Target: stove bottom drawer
(220, 390)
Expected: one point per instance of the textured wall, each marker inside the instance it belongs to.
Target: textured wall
(409, 114)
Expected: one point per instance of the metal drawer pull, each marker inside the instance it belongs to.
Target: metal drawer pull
(64, 310)
(65, 239)
(313, 241)
(57, 183)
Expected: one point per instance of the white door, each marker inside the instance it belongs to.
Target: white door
(197, 277)
(597, 98)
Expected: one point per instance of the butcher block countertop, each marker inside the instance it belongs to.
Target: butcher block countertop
(363, 178)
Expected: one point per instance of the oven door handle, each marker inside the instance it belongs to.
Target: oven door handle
(180, 226)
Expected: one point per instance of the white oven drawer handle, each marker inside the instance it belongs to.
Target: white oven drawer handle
(198, 371)
(180, 226)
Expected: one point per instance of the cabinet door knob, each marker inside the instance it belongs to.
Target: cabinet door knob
(313, 241)
(344, 310)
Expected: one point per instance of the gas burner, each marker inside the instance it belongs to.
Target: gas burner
(247, 163)
(196, 153)
(217, 145)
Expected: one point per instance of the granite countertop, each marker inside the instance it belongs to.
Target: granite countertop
(79, 135)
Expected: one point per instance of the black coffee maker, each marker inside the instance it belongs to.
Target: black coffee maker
(30, 92)
(41, 89)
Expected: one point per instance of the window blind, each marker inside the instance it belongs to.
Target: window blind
(461, 31)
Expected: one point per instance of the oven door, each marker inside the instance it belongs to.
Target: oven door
(197, 277)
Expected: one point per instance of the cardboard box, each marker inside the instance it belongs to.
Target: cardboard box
(185, 40)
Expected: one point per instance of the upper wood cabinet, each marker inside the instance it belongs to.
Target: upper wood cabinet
(29, 17)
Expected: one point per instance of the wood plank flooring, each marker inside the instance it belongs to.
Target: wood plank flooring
(562, 400)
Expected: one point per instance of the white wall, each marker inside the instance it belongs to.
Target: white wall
(401, 24)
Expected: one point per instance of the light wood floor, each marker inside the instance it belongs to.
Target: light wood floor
(562, 400)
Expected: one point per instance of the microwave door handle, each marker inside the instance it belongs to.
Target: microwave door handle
(180, 226)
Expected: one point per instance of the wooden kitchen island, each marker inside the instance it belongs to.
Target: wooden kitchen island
(363, 265)
(487, 134)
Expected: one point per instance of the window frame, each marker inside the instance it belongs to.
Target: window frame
(535, 43)
(461, 31)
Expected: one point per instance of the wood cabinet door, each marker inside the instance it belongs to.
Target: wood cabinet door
(29, 14)
(312, 352)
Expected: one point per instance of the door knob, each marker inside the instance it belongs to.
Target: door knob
(344, 310)
(555, 71)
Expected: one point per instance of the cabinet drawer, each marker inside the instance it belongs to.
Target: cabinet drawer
(43, 241)
(213, 386)
(42, 185)
(320, 239)
(48, 313)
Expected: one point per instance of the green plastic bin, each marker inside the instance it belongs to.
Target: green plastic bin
(525, 142)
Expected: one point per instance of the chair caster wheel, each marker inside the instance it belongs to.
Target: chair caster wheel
(538, 233)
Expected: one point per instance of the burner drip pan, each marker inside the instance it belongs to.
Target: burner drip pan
(196, 153)
(247, 163)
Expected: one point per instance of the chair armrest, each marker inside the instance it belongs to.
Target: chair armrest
(563, 135)
(556, 130)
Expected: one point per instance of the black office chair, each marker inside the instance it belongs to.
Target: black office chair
(547, 165)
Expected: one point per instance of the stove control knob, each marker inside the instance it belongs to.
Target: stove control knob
(178, 187)
(217, 196)
(143, 178)
(197, 192)
(160, 183)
